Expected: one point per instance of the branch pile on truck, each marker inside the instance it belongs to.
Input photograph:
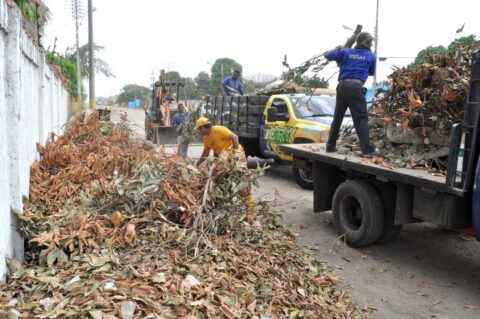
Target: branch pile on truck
(411, 123)
(370, 201)
(117, 229)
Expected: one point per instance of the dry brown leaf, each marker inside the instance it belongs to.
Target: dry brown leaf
(117, 218)
(130, 234)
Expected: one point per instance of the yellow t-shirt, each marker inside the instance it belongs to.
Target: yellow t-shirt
(218, 140)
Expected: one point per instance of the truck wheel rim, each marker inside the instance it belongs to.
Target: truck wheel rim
(351, 213)
(306, 175)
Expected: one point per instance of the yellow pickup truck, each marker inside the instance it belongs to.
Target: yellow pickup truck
(265, 122)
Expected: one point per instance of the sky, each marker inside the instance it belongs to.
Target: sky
(141, 37)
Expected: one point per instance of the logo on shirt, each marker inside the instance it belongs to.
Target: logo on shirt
(354, 56)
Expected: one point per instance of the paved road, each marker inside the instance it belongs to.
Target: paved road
(426, 273)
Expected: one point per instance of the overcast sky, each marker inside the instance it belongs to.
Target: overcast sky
(141, 37)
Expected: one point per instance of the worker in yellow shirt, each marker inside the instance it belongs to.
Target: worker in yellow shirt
(220, 139)
(215, 137)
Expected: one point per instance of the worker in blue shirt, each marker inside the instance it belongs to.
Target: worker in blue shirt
(231, 86)
(176, 121)
(355, 66)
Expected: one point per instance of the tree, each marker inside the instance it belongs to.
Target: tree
(202, 82)
(101, 66)
(463, 41)
(229, 65)
(173, 76)
(190, 89)
(132, 92)
(423, 55)
(313, 82)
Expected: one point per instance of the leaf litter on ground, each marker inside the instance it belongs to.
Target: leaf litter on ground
(117, 229)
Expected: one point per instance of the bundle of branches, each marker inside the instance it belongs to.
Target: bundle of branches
(432, 94)
(411, 122)
(282, 87)
(187, 127)
(316, 63)
(116, 229)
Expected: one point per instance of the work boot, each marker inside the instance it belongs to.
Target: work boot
(330, 148)
(371, 154)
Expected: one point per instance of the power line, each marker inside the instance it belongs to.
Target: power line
(59, 28)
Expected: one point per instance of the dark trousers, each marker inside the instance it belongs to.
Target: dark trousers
(351, 95)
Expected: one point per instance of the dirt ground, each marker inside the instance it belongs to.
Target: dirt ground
(426, 273)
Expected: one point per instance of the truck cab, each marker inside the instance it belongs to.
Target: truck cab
(295, 119)
(285, 121)
(263, 123)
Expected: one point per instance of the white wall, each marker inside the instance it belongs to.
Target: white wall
(33, 102)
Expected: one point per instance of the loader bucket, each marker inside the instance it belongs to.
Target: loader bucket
(166, 135)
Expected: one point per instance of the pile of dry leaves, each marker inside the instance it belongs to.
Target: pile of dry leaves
(411, 122)
(117, 229)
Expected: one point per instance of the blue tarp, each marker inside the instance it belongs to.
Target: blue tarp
(134, 103)
(369, 94)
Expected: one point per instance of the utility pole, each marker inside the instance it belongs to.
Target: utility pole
(91, 61)
(374, 85)
(76, 14)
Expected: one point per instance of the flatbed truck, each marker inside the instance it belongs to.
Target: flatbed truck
(370, 203)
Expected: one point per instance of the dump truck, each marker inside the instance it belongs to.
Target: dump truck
(370, 203)
(264, 122)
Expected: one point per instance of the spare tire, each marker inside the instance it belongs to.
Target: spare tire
(358, 213)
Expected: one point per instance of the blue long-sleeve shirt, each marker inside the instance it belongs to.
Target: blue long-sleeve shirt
(354, 63)
(232, 87)
(178, 119)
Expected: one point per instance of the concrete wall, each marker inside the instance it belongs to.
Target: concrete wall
(33, 102)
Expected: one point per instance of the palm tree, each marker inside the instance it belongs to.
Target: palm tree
(101, 66)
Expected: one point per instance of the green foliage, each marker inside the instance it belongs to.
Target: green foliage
(311, 82)
(27, 7)
(174, 76)
(463, 41)
(101, 66)
(424, 55)
(69, 70)
(229, 65)
(131, 92)
(202, 82)
(194, 88)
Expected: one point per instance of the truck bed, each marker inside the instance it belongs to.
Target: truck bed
(416, 177)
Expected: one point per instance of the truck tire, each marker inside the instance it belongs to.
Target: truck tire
(303, 177)
(358, 213)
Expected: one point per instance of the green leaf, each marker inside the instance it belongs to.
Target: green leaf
(294, 313)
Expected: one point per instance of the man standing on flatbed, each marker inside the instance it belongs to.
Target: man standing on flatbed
(232, 86)
(355, 67)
